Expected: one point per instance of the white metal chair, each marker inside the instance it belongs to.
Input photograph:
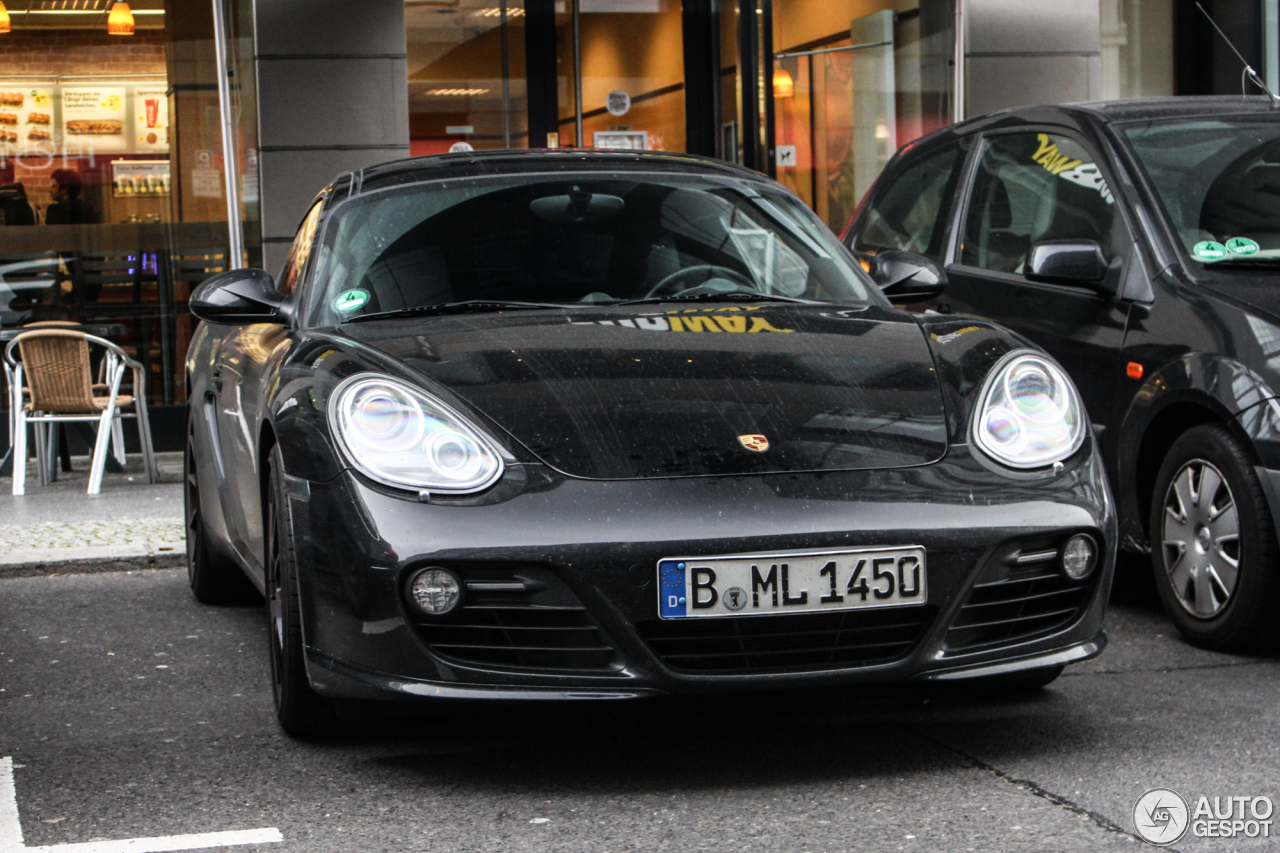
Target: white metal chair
(57, 370)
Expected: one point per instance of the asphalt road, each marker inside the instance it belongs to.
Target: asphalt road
(131, 711)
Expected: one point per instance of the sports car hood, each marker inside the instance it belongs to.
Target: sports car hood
(633, 392)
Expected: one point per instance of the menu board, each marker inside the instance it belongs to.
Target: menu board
(139, 178)
(26, 118)
(93, 119)
(150, 120)
(113, 118)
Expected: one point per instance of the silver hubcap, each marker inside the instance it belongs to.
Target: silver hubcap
(1201, 539)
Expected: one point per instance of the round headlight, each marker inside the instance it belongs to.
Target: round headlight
(1029, 414)
(435, 591)
(1079, 556)
(403, 437)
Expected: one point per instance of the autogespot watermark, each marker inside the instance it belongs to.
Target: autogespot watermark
(1162, 816)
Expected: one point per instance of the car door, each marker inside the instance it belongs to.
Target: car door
(1024, 187)
(238, 380)
(909, 209)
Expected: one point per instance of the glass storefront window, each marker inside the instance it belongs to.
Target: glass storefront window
(632, 75)
(114, 202)
(466, 64)
(1137, 48)
(850, 85)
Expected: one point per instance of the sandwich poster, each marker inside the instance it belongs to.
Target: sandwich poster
(93, 118)
(26, 119)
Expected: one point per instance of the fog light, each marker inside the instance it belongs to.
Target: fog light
(1078, 556)
(436, 591)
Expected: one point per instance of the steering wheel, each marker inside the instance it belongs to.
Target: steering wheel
(674, 284)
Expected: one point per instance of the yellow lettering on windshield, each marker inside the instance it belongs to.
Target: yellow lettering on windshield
(700, 324)
(760, 324)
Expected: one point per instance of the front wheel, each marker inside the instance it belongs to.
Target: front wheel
(1213, 543)
(301, 711)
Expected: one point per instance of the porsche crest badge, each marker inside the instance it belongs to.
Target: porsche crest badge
(758, 443)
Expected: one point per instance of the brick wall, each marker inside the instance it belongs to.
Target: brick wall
(70, 52)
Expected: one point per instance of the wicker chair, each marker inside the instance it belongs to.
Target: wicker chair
(59, 383)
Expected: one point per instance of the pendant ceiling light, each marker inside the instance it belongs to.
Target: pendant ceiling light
(783, 85)
(120, 20)
(4, 19)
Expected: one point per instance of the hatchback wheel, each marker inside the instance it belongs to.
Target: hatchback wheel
(301, 711)
(1214, 544)
(214, 577)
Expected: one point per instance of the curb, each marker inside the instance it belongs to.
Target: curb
(35, 562)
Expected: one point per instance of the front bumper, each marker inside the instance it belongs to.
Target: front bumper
(592, 547)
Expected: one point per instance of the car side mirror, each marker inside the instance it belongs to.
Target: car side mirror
(240, 297)
(1067, 262)
(907, 277)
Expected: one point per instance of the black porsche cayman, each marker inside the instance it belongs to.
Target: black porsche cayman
(607, 425)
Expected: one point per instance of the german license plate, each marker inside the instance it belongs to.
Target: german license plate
(751, 585)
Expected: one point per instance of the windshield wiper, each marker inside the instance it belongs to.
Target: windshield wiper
(732, 296)
(469, 306)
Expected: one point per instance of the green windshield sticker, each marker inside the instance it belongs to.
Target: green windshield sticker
(350, 300)
(1208, 250)
(1242, 246)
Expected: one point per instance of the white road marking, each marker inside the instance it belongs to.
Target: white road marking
(11, 832)
(10, 827)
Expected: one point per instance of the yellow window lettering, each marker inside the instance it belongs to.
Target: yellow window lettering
(1045, 147)
(677, 325)
(1063, 164)
(733, 324)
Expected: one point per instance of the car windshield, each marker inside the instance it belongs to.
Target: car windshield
(1219, 180)
(583, 240)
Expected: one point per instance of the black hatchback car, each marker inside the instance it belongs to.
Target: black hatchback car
(601, 425)
(1139, 243)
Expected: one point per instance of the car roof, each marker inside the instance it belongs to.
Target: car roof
(436, 167)
(1142, 109)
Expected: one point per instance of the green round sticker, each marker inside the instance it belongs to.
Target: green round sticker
(1242, 246)
(1209, 250)
(350, 300)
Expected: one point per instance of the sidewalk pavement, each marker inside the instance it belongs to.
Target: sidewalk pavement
(58, 529)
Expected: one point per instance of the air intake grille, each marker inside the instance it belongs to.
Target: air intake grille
(518, 617)
(730, 645)
(1021, 595)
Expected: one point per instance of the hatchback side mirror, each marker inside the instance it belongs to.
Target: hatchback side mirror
(907, 277)
(240, 297)
(1067, 262)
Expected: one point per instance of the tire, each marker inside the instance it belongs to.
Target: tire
(1214, 555)
(302, 712)
(214, 577)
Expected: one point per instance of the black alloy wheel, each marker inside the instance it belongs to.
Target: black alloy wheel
(301, 711)
(214, 577)
(1213, 544)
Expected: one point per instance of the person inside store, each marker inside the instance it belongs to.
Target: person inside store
(14, 207)
(68, 208)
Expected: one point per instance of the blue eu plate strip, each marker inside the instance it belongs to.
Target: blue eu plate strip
(671, 589)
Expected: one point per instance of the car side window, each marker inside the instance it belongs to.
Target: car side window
(910, 214)
(301, 250)
(1031, 187)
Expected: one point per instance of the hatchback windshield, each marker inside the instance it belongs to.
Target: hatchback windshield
(1219, 180)
(585, 240)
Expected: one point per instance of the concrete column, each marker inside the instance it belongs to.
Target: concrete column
(1020, 52)
(332, 97)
